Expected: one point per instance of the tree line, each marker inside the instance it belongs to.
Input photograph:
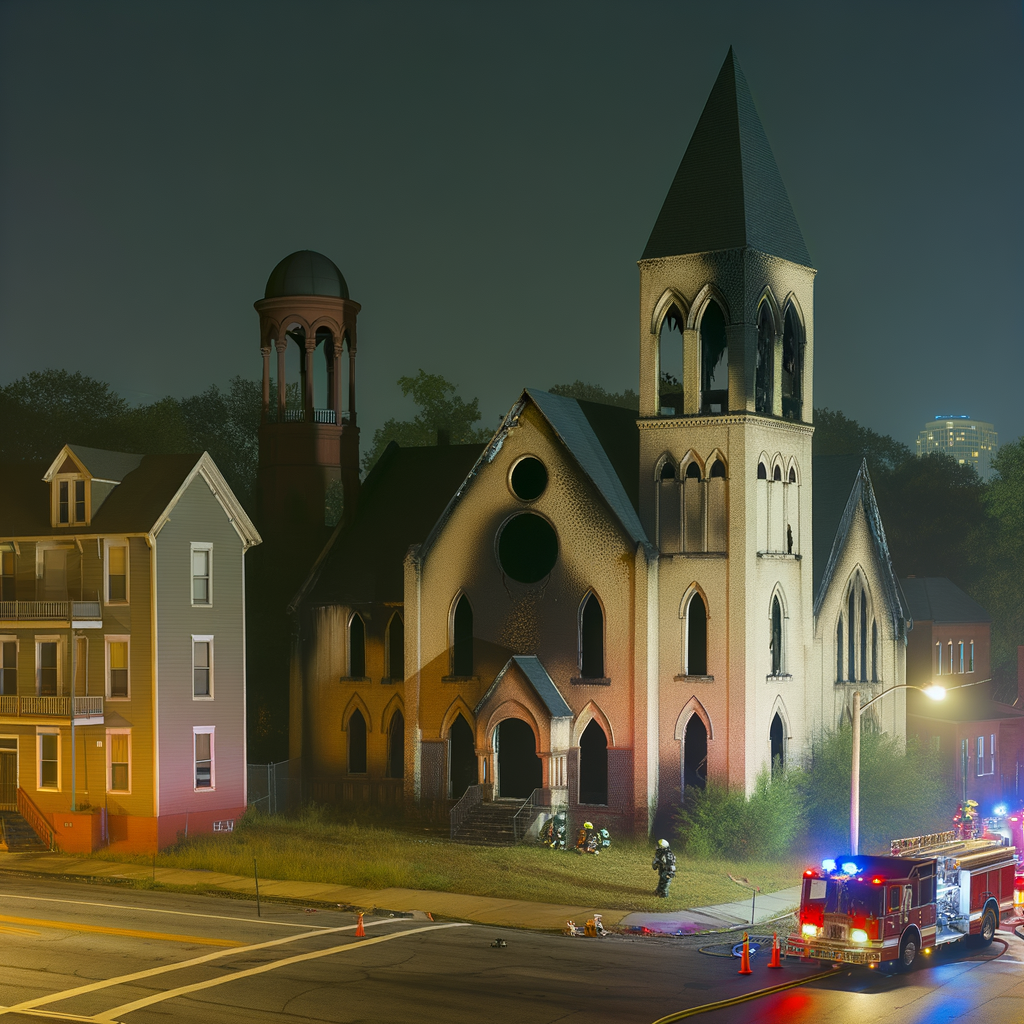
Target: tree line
(940, 518)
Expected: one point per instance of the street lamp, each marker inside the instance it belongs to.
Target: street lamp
(934, 691)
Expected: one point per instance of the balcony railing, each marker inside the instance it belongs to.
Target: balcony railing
(13, 611)
(56, 707)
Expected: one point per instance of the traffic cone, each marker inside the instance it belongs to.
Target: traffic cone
(360, 930)
(745, 958)
(775, 960)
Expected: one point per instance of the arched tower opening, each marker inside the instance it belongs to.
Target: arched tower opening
(714, 360)
(670, 363)
(593, 765)
(695, 754)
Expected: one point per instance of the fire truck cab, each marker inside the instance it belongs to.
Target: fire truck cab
(930, 890)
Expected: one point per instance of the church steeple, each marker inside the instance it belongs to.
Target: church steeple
(728, 193)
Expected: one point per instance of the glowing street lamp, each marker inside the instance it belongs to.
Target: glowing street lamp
(933, 691)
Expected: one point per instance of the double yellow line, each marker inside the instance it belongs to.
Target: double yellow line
(95, 929)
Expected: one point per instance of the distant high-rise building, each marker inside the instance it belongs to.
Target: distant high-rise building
(970, 442)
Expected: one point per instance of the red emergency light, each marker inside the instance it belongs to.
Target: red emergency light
(877, 881)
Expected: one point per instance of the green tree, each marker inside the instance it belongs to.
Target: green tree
(442, 417)
(627, 398)
(836, 434)
(903, 792)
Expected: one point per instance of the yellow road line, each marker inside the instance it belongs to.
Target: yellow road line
(124, 979)
(96, 929)
(746, 997)
(109, 1016)
(17, 931)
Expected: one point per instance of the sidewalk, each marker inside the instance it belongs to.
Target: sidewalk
(479, 909)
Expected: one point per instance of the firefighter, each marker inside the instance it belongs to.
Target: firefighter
(665, 864)
(553, 833)
(585, 840)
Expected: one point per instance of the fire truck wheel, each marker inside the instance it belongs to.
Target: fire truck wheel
(908, 952)
(989, 924)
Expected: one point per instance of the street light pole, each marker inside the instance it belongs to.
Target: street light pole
(935, 692)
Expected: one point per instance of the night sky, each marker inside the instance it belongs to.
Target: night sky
(486, 176)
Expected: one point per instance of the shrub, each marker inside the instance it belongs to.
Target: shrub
(718, 822)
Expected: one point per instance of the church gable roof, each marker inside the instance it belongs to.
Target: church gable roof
(833, 471)
(537, 675)
(727, 192)
(401, 499)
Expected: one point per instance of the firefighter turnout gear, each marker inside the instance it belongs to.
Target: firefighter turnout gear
(665, 864)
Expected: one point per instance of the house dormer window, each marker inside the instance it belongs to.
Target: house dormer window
(69, 494)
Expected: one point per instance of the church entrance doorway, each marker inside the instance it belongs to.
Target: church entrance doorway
(593, 765)
(519, 767)
(695, 754)
(777, 736)
(461, 758)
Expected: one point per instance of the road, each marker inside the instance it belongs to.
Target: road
(74, 951)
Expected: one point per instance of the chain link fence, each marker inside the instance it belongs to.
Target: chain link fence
(276, 788)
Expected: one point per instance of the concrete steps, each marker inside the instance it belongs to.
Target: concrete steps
(490, 824)
(19, 835)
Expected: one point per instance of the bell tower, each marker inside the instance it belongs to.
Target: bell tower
(309, 449)
(726, 342)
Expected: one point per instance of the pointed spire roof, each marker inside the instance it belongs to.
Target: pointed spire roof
(728, 193)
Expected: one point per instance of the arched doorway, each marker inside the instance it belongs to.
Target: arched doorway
(519, 767)
(461, 758)
(695, 754)
(777, 736)
(593, 765)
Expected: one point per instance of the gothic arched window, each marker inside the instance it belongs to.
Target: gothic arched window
(356, 648)
(591, 639)
(714, 360)
(839, 650)
(792, 365)
(462, 638)
(357, 743)
(396, 649)
(696, 650)
(776, 645)
(668, 508)
(765, 374)
(693, 509)
(396, 746)
(670, 363)
(874, 651)
(717, 524)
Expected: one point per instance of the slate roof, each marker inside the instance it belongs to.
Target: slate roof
(604, 441)
(728, 193)
(133, 506)
(104, 465)
(400, 501)
(542, 683)
(936, 599)
(830, 536)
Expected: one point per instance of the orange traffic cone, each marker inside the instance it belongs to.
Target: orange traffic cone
(775, 960)
(360, 930)
(745, 958)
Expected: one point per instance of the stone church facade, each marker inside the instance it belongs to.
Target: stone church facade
(601, 605)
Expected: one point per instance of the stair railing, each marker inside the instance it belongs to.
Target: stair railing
(472, 798)
(523, 818)
(38, 823)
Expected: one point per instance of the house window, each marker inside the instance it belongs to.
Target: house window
(117, 573)
(202, 574)
(960, 657)
(952, 664)
(8, 591)
(204, 775)
(70, 501)
(49, 760)
(839, 651)
(396, 648)
(980, 755)
(48, 668)
(874, 651)
(8, 666)
(356, 648)
(971, 662)
(202, 667)
(591, 639)
(118, 761)
(117, 667)
(992, 754)
(63, 502)
(938, 652)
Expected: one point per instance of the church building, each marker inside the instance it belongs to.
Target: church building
(599, 605)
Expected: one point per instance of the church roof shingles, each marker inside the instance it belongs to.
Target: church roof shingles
(727, 192)
(937, 599)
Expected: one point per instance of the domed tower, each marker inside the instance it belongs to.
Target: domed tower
(306, 451)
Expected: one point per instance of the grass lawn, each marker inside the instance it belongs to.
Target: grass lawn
(315, 849)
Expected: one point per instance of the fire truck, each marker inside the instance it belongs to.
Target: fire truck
(929, 891)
